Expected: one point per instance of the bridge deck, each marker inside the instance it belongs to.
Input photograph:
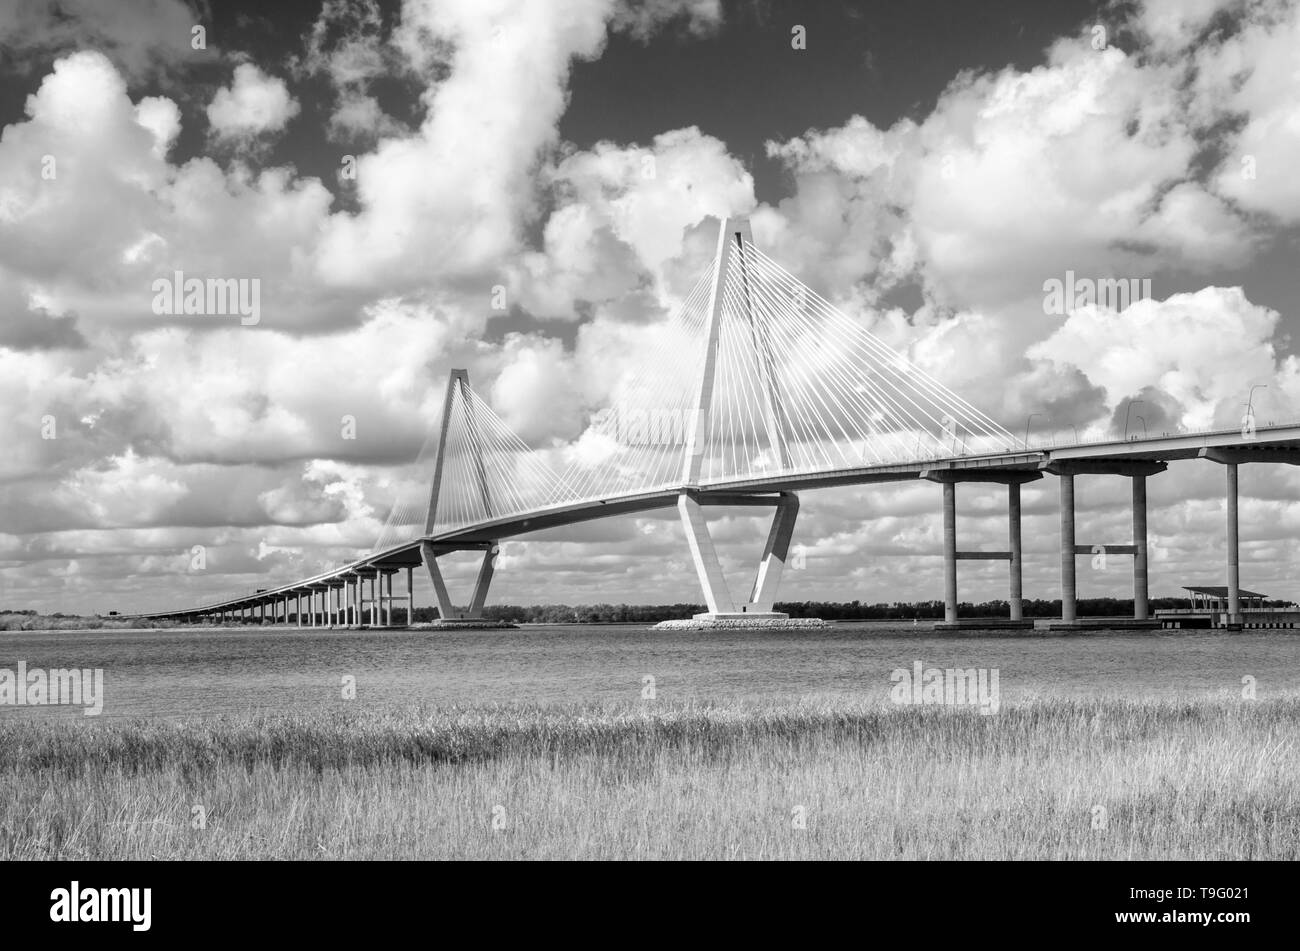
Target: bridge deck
(1269, 443)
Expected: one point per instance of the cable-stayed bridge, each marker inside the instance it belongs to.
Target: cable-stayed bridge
(755, 390)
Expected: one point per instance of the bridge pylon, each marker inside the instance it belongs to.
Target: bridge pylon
(459, 397)
(734, 243)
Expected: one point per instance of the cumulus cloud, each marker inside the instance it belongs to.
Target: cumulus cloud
(253, 104)
(624, 220)
(1203, 350)
(1000, 186)
(1256, 75)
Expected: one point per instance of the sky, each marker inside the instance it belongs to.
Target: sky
(390, 172)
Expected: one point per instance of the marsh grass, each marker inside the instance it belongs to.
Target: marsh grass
(1184, 779)
(14, 621)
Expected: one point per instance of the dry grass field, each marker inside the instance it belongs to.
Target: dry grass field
(1049, 779)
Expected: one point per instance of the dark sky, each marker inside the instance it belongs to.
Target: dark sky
(744, 84)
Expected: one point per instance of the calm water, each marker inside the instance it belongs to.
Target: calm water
(212, 672)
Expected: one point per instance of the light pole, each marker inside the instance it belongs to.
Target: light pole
(1250, 406)
(1027, 422)
(1127, 411)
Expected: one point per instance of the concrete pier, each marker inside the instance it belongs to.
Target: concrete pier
(1068, 547)
(1141, 609)
(1017, 555)
(1137, 470)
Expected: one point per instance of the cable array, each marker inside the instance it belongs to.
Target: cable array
(798, 387)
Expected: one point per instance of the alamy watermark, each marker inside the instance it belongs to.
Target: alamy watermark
(1117, 293)
(211, 297)
(949, 686)
(37, 687)
(77, 904)
(645, 427)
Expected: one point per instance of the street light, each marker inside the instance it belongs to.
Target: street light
(1131, 404)
(1027, 422)
(1144, 426)
(1250, 408)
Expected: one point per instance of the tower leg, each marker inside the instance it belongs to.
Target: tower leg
(446, 610)
(716, 595)
(763, 595)
(485, 571)
(776, 550)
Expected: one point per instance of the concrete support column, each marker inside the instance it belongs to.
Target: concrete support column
(1067, 549)
(410, 596)
(1016, 579)
(1141, 610)
(388, 599)
(1234, 571)
(949, 552)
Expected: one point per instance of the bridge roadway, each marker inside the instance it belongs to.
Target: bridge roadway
(1135, 457)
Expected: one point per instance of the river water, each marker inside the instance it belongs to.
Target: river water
(209, 672)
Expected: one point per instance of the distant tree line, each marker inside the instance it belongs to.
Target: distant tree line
(828, 610)
(22, 619)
